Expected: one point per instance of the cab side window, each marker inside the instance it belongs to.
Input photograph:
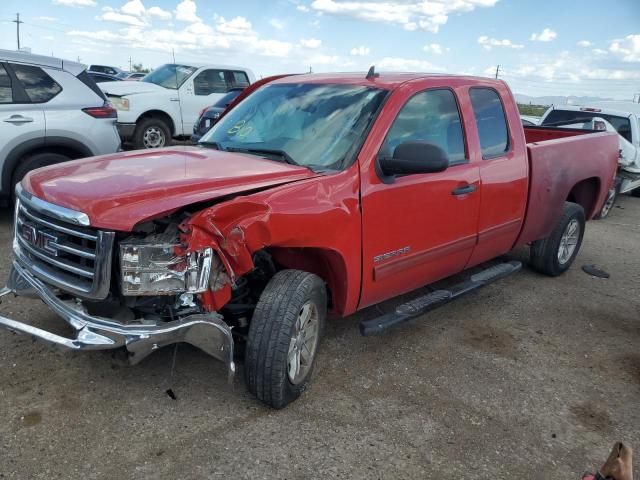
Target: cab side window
(6, 94)
(210, 81)
(239, 79)
(430, 116)
(491, 122)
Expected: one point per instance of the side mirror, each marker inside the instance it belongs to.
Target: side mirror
(413, 157)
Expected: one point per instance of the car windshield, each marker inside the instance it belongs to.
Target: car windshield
(566, 118)
(228, 98)
(169, 75)
(314, 125)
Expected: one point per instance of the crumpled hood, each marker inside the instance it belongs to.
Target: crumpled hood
(132, 88)
(120, 190)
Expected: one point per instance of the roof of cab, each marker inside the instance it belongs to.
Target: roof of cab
(386, 80)
(41, 60)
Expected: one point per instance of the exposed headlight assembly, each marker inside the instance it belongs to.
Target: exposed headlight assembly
(119, 103)
(158, 269)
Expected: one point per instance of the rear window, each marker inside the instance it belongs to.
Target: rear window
(39, 86)
(85, 78)
(240, 79)
(491, 122)
(6, 95)
(564, 118)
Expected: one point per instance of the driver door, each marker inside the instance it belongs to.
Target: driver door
(421, 227)
(201, 91)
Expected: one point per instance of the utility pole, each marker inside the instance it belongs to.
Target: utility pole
(497, 71)
(17, 21)
(130, 69)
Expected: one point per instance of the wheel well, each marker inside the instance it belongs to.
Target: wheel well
(585, 193)
(160, 114)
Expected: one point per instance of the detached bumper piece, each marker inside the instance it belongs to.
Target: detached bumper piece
(208, 332)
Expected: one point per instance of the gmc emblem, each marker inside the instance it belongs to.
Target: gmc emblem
(39, 239)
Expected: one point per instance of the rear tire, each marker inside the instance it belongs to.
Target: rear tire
(31, 162)
(554, 255)
(283, 337)
(612, 195)
(151, 132)
(635, 192)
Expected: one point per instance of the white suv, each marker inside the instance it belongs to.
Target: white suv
(51, 111)
(167, 102)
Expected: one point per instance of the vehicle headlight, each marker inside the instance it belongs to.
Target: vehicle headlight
(119, 102)
(159, 269)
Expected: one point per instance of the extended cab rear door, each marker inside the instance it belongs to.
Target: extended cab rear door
(498, 141)
(421, 227)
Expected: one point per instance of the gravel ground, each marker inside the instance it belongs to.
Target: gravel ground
(531, 377)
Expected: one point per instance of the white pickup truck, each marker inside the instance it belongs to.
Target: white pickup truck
(165, 103)
(621, 117)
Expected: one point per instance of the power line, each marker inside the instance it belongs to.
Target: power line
(17, 21)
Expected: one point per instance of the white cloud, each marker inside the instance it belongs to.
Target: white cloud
(311, 43)
(159, 13)
(302, 8)
(584, 43)
(599, 51)
(628, 48)
(47, 19)
(405, 65)
(277, 24)
(433, 48)
(75, 3)
(409, 14)
(488, 43)
(360, 51)
(235, 26)
(186, 11)
(133, 7)
(48, 37)
(110, 15)
(546, 35)
(323, 60)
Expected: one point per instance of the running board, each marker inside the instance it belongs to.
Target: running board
(425, 303)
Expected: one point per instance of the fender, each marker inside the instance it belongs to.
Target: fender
(15, 155)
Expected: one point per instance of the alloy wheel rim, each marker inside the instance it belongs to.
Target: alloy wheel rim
(304, 340)
(153, 137)
(569, 241)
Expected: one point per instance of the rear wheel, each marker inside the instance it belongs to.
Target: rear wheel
(555, 254)
(152, 132)
(283, 337)
(608, 204)
(635, 192)
(31, 162)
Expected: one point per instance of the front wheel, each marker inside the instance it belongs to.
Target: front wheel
(554, 254)
(283, 337)
(151, 132)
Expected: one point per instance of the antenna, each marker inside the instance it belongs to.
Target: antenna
(372, 73)
(497, 71)
(175, 70)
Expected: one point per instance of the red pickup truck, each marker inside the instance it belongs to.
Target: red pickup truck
(316, 193)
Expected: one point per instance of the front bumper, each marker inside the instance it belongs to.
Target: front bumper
(126, 130)
(206, 331)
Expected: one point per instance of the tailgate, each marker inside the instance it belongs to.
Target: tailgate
(580, 167)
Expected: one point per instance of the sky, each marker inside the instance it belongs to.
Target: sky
(543, 47)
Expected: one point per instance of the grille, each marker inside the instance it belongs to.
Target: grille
(50, 244)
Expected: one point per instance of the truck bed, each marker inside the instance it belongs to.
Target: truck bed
(553, 179)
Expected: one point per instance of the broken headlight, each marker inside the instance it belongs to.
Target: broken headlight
(161, 269)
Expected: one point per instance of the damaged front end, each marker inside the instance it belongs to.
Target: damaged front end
(141, 290)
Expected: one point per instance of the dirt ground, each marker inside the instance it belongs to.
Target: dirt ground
(531, 377)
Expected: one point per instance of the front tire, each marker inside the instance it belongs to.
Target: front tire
(284, 336)
(152, 132)
(554, 254)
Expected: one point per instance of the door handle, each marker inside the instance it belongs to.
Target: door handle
(465, 189)
(18, 119)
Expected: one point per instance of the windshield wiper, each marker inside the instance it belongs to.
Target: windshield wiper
(215, 145)
(267, 151)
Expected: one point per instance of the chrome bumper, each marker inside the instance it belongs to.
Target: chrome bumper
(208, 332)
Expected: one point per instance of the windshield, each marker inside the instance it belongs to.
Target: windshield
(313, 125)
(169, 75)
(565, 118)
(228, 98)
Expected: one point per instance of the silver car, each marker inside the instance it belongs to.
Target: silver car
(51, 111)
